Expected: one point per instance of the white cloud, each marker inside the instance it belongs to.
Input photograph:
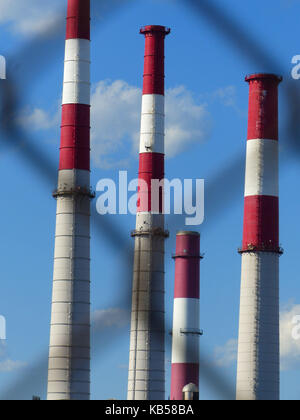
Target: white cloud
(115, 115)
(31, 16)
(116, 108)
(289, 345)
(115, 121)
(6, 364)
(38, 119)
(226, 95)
(112, 317)
(187, 121)
(9, 365)
(227, 354)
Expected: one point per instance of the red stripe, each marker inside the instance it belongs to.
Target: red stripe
(261, 223)
(183, 374)
(187, 277)
(263, 106)
(151, 167)
(154, 71)
(78, 19)
(75, 137)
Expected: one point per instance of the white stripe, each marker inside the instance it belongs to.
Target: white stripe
(185, 346)
(152, 124)
(147, 220)
(77, 49)
(262, 168)
(77, 72)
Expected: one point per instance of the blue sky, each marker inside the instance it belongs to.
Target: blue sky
(206, 123)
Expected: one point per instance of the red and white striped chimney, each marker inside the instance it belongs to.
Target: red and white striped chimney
(258, 344)
(146, 378)
(186, 315)
(69, 354)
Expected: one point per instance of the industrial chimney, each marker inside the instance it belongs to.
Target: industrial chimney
(146, 378)
(258, 344)
(186, 315)
(69, 355)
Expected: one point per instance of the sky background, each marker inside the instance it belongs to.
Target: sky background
(206, 126)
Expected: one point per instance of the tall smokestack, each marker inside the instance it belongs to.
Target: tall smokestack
(258, 346)
(186, 315)
(146, 378)
(69, 355)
